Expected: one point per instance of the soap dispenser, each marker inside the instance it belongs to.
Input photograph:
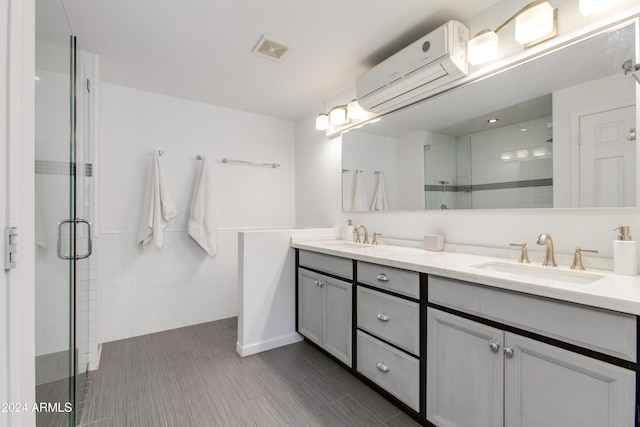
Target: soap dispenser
(347, 230)
(625, 253)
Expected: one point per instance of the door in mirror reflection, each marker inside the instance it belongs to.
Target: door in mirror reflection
(607, 158)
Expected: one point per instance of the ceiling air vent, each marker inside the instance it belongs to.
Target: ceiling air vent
(271, 49)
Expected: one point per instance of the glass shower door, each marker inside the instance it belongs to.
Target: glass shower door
(56, 226)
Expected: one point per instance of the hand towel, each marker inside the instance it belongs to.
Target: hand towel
(379, 202)
(359, 196)
(158, 206)
(202, 226)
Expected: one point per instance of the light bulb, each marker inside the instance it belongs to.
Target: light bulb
(534, 23)
(589, 7)
(483, 47)
(338, 116)
(354, 110)
(322, 122)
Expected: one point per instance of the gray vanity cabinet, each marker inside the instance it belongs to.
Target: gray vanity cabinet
(464, 377)
(487, 374)
(550, 386)
(324, 311)
(388, 335)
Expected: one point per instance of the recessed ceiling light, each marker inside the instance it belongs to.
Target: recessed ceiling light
(492, 121)
(523, 130)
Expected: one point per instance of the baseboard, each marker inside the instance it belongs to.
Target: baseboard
(259, 347)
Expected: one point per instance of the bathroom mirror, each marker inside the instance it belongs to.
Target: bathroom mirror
(555, 131)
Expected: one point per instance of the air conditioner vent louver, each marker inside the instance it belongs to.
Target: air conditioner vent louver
(268, 48)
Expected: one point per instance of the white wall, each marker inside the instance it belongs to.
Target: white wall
(267, 278)
(410, 168)
(17, 327)
(318, 176)
(148, 290)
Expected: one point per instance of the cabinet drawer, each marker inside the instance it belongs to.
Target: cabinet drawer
(337, 266)
(605, 331)
(390, 368)
(393, 279)
(393, 319)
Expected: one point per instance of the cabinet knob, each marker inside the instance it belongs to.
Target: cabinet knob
(383, 317)
(508, 352)
(382, 367)
(494, 346)
(382, 277)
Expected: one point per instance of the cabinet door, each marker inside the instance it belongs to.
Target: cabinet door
(336, 318)
(309, 305)
(464, 372)
(548, 386)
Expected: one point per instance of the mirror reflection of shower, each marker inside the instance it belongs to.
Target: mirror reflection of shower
(444, 188)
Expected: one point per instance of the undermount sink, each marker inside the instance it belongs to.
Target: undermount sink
(345, 244)
(550, 273)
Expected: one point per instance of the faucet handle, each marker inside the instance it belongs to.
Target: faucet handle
(524, 256)
(577, 258)
(375, 238)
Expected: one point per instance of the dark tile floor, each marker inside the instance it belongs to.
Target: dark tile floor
(54, 393)
(193, 377)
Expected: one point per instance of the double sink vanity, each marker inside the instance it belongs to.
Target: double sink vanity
(456, 339)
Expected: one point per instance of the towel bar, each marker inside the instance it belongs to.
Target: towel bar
(273, 165)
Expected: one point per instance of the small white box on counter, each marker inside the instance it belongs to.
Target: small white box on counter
(434, 242)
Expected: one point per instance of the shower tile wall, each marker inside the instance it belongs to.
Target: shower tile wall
(145, 290)
(158, 289)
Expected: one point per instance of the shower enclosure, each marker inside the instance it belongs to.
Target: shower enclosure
(65, 311)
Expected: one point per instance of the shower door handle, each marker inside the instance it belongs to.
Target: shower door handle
(75, 221)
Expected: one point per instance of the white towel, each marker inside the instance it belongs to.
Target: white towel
(359, 196)
(158, 206)
(202, 226)
(379, 202)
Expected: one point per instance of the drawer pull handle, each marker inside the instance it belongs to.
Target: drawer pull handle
(508, 352)
(382, 277)
(382, 367)
(495, 347)
(383, 317)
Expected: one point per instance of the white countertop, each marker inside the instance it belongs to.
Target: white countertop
(609, 291)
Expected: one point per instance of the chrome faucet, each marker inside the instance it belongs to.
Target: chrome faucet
(545, 239)
(356, 234)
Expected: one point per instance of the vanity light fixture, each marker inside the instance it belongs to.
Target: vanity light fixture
(340, 115)
(322, 122)
(506, 155)
(535, 23)
(590, 7)
(522, 153)
(354, 110)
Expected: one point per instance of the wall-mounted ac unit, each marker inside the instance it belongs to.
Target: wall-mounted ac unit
(416, 71)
